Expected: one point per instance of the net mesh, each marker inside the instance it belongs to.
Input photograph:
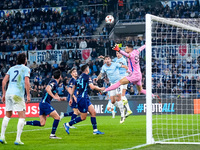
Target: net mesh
(175, 79)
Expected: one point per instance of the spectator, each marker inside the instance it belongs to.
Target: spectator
(93, 54)
(189, 59)
(43, 26)
(64, 56)
(55, 65)
(70, 55)
(49, 46)
(83, 44)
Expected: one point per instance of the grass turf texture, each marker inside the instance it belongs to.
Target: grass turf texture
(117, 136)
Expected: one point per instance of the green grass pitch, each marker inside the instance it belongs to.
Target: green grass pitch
(117, 136)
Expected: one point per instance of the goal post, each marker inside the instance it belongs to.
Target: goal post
(170, 75)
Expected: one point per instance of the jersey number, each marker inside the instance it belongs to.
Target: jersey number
(16, 74)
(80, 83)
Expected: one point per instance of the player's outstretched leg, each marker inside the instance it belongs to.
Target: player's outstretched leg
(33, 123)
(3, 129)
(112, 87)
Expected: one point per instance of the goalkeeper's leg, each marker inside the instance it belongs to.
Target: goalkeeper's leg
(116, 85)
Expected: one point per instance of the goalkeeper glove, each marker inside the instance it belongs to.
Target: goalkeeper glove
(116, 47)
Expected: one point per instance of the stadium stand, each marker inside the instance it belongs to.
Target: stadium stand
(52, 30)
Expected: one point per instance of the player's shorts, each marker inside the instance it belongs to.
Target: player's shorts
(110, 105)
(15, 103)
(83, 104)
(74, 104)
(116, 91)
(45, 109)
(135, 78)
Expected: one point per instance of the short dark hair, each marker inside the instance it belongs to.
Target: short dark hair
(70, 71)
(56, 74)
(107, 56)
(84, 67)
(21, 58)
(129, 46)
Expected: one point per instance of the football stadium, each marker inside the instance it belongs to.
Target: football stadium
(99, 74)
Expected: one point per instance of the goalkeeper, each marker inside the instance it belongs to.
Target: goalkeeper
(135, 75)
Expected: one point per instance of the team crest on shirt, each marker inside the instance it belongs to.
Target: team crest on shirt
(52, 84)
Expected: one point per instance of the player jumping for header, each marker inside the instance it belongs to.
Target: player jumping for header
(135, 75)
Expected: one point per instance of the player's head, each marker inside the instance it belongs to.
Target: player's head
(129, 48)
(107, 60)
(85, 69)
(21, 59)
(118, 55)
(73, 72)
(57, 74)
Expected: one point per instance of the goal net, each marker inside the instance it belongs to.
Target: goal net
(172, 73)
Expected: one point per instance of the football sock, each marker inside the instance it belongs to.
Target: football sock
(74, 121)
(20, 127)
(94, 123)
(55, 125)
(113, 113)
(73, 116)
(121, 108)
(4, 126)
(68, 114)
(126, 105)
(33, 123)
(113, 87)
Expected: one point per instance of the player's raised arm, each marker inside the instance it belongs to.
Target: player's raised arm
(141, 48)
(4, 82)
(116, 48)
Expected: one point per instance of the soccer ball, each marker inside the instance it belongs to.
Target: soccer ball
(109, 19)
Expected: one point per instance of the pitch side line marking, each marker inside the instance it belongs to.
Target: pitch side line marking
(135, 147)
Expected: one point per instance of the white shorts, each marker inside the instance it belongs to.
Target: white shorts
(110, 105)
(116, 91)
(15, 103)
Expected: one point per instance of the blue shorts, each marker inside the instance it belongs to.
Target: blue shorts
(83, 104)
(45, 109)
(74, 104)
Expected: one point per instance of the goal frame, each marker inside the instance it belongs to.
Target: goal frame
(149, 125)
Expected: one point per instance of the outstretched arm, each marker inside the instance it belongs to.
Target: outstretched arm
(141, 48)
(116, 48)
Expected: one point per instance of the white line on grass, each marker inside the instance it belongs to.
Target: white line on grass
(43, 129)
(135, 147)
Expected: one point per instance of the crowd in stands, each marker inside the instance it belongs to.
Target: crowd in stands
(51, 30)
(137, 11)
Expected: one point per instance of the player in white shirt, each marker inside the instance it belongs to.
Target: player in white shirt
(112, 71)
(123, 73)
(18, 77)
